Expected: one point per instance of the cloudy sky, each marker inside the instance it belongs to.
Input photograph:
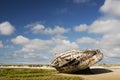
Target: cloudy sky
(33, 31)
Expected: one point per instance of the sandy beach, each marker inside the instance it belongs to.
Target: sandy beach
(100, 73)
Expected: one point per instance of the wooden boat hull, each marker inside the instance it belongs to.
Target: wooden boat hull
(75, 60)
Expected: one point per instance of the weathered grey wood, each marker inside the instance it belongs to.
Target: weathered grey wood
(75, 60)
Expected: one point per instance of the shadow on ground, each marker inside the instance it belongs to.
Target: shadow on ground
(93, 71)
(100, 70)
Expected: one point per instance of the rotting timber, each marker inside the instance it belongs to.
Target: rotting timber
(76, 60)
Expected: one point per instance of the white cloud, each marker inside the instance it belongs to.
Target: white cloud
(80, 1)
(105, 26)
(80, 28)
(87, 43)
(109, 43)
(30, 55)
(38, 44)
(39, 28)
(59, 37)
(1, 45)
(63, 45)
(111, 8)
(108, 26)
(56, 30)
(86, 40)
(6, 28)
(20, 40)
(36, 48)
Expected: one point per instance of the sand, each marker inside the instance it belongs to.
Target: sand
(100, 73)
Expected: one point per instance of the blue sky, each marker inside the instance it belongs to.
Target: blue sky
(33, 31)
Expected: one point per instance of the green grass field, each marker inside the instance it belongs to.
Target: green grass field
(32, 74)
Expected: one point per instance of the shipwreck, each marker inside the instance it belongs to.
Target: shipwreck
(76, 60)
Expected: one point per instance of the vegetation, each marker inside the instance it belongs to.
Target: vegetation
(32, 74)
(29, 65)
(108, 65)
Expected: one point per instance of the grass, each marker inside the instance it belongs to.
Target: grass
(32, 74)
